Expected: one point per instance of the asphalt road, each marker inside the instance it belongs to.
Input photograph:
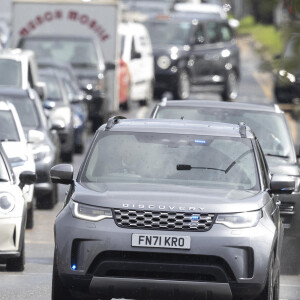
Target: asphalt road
(35, 282)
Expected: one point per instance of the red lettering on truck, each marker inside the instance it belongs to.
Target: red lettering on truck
(72, 15)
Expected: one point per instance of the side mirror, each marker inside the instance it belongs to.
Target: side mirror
(27, 178)
(58, 125)
(41, 89)
(62, 173)
(35, 136)
(282, 184)
(110, 66)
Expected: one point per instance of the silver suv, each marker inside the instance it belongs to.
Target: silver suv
(169, 208)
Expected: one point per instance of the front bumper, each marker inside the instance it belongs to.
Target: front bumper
(12, 233)
(232, 262)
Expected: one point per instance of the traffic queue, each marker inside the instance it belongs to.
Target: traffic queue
(191, 202)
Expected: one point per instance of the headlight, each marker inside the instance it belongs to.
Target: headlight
(286, 76)
(92, 83)
(240, 220)
(164, 62)
(7, 203)
(90, 213)
(40, 151)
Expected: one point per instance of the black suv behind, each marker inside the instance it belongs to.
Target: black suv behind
(194, 53)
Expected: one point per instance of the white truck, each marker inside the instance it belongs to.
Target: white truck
(82, 33)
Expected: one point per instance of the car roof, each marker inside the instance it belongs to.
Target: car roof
(16, 54)
(177, 127)
(221, 104)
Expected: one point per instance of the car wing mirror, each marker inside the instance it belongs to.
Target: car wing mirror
(41, 89)
(136, 55)
(27, 178)
(282, 184)
(35, 136)
(62, 173)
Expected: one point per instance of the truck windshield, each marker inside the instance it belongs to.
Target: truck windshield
(12, 75)
(78, 52)
(177, 159)
(173, 33)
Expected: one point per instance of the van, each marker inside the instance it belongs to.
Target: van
(136, 52)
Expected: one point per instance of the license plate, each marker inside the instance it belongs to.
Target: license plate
(161, 241)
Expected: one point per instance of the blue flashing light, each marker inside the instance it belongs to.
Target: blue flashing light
(195, 218)
(200, 142)
(74, 267)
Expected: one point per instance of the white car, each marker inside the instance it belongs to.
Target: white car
(136, 52)
(18, 151)
(12, 215)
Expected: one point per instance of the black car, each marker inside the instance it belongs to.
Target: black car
(88, 62)
(169, 209)
(193, 53)
(287, 76)
(59, 110)
(44, 138)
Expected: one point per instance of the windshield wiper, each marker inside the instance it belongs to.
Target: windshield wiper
(276, 155)
(3, 180)
(189, 167)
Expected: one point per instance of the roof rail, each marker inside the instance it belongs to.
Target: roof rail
(113, 121)
(242, 130)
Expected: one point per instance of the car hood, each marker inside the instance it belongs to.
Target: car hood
(168, 197)
(281, 166)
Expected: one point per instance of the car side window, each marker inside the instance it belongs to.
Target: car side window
(226, 33)
(199, 35)
(212, 33)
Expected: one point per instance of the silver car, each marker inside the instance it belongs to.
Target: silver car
(169, 208)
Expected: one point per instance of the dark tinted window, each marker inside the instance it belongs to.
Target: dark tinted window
(8, 128)
(27, 112)
(212, 33)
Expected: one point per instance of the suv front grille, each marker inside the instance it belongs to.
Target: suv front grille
(163, 220)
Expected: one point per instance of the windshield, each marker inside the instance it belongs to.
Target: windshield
(77, 52)
(27, 113)
(11, 77)
(186, 160)
(53, 88)
(8, 128)
(173, 33)
(270, 128)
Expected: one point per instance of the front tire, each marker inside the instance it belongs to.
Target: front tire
(271, 290)
(182, 91)
(59, 291)
(16, 264)
(230, 91)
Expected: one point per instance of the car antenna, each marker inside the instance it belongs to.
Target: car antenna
(242, 129)
(113, 121)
